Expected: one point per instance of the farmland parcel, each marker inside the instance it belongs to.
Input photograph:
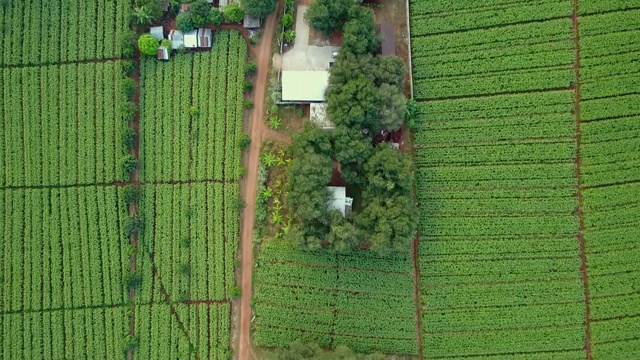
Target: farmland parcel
(527, 153)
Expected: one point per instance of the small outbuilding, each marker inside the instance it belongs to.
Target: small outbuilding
(223, 3)
(185, 8)
(388, 46)
(177, 39)
(191, 39)
(204, 38)
(251, 22)
(340, 201)
(163, 53)
(157, 32)
(304, 86)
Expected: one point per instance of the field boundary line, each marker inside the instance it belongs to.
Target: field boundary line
(580, 204)
(407, 5)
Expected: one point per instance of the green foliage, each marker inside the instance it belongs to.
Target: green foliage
(298, 350)
(184, 22)
(200, 11)
(129, 138)
(128, 87)
(166, 43)
(250, 68)
(289, 36)
(287, 20)
(236, 292)
(392, 107)
(274, 122)
(133, 280)
(360, 32)
(244, 141)
(247, 85)
(134, 225)
(248, 104)
(259, 8)
(142, 15)
(131, 193)
(194, 112)
(128, 164)
(148, 45)
(327, 16)
(215, 16)
(233, 13)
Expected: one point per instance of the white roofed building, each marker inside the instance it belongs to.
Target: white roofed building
(177, 39)
(191, 39)
(304, 86)
(157, 32)
(339, 200)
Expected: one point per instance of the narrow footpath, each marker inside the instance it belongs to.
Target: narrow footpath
(263, 57)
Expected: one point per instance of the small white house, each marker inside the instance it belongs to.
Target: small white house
(204, 38)
(163, 53)
(157, 32)
(177, 39)
(340, 201)
(304, 86)
(191, 39)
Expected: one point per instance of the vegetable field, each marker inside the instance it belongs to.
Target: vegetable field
(62, 31)
(55, 131)
(526, 151)
(359, 300)
(63, 259)
(190, 119)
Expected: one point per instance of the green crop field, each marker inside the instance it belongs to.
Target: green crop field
(189, 164)
(359, 300)
(520, 177)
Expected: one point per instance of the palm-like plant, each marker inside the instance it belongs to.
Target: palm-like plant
(411, 111)
(267, 193)
(274, 122)
(142, 15)
(269, 159)
(276, 217)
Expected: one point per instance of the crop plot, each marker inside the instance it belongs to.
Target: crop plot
(610, 159)
(61, 31)
(190, 120)
(54, 130)
(495, 179)
(64, 260)
(360, 300)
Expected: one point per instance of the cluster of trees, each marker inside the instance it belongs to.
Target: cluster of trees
(200, 13)
(364, 98)
(298, 350)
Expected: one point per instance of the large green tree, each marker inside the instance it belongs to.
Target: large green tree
(360, 34)
(354, 103)
(392, 106)
(199, 12)
(259, 8)
(148, 45)
(298, 350)
(327, 16)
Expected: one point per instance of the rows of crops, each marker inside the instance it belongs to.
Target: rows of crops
(359, 300)
(63, 251)
(191, 112)
(610, 159)
(197, 331)
(49, 32)
(495, 179)
(178, 144)
(61, 125)
(192, 231)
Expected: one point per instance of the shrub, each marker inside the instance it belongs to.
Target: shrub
(148, 45)
(128, 66)
(134, 225)
(128, 86)
(240, 204)
(248, 104)
(131, 193)
(167, 43)
(127, 44)
(129, 138)
(128, 164)
(250, 68)
(242, 171)
(127, 110)
(287, 20)
(215, 16)
(184, 22)
(194, 112)
(248, 85)
(244, 141)
(233, 13)
(235, 292)
(133, 280)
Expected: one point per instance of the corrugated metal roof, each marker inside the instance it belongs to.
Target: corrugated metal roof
(163, 53)
(157, 32)
(191, 39)
(304, 86)
(388, 39)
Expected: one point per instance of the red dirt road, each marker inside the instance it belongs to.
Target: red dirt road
(263, 57)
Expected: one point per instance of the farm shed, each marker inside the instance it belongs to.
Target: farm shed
(224, 3)
(163, 53)
(340, 201)
(157, 32)
(318, 116)
(388, 46)
(304, 86)
(191, 39)
(204, 38)
(177, 39)
(251, 22)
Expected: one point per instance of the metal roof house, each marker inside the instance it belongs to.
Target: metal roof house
(304, 86)
(177, 39)
(340, 201)
(163, 53)
(251, 22)
(204, 38)
(191, 39)
(157, 32)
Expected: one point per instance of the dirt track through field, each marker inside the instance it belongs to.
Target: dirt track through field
(583, 256)
(263, 57)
